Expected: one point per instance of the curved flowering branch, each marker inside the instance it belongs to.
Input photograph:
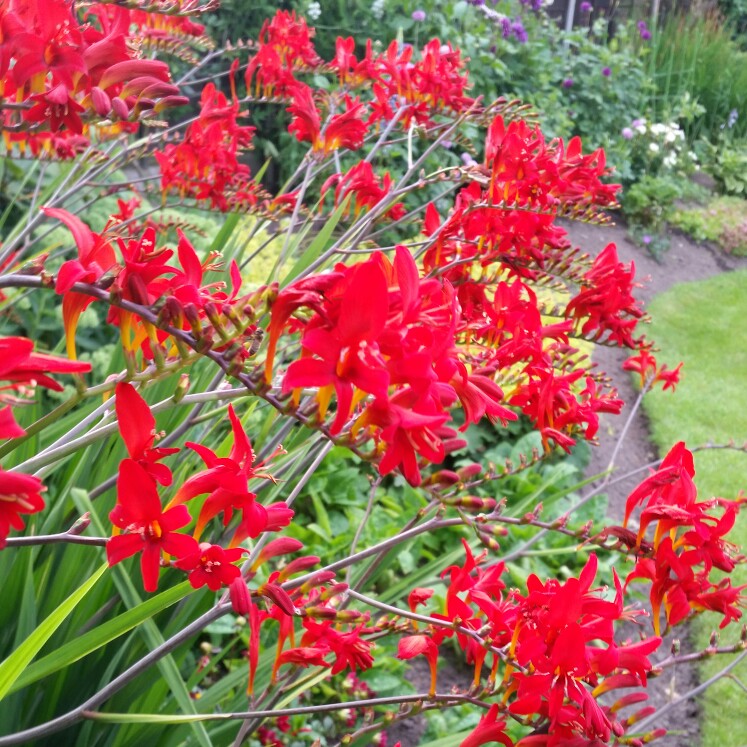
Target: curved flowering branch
(473, 307)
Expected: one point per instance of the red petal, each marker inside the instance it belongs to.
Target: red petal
(8, 426)
(136, 422)
(123, 546)
(137, 494)
(150, 565)
(83, 236)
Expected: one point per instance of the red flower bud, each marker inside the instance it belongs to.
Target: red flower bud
(101, 101)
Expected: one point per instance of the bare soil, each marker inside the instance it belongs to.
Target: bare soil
(685, 261)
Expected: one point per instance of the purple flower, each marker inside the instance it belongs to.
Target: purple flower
(506, 27)
(643, 31)
(606, 72)
(627, 133)
(568, 82)
(517, 27)
(418, 15)
(637, 122)
(586, 7)
(646, 239)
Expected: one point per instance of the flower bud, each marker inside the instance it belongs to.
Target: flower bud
(469, 470)
(101, 101)
(182, 388)
(353, 616)
(496, 530)
(333, 591)
(317, 580)
(471, 503)
(454, 444)
(119, 108)
(489, 542)
(442, 477)
(80, 525)
(320, 613)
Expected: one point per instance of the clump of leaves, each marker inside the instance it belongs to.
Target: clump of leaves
(723, 221)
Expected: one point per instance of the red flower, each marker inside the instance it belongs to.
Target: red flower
(414, 645)
(24, 368)
(138, 428)
(491, 729)
(19, 494)
(305, 656)
(672, 484)
(19, 364)
(95, 258)
(349, 648)
(148, 528)
(366, 188)
(344, 130)
(346, 356)
(226, 481)
(646, 366)
(211, 565)
(606, 303)
(417, 597)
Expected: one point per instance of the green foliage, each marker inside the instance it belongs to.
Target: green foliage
(723, 220)
(648, 200)
(726, 161)
(696, 54)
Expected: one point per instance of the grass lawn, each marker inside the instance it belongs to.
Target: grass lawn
(704, 324)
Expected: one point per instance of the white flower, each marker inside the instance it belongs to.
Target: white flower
(641, 129)
(377, 8)
(658, 128)
(670, 137)
(653, 147)
(314, 10)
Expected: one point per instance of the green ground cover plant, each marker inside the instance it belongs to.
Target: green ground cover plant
(722, 220)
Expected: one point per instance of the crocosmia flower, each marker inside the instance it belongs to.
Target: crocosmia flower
(19, 494)
(211, 566)
(148, 529)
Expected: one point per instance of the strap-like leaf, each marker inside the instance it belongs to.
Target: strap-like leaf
(13, 666)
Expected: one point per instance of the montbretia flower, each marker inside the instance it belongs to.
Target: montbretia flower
(211, 566)
(225, 480)
(23, 369)
(138, 428)
(96, 257)
(146, 527)
(414, 645)
(19, 494)
(490, 730)
(344, 130)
